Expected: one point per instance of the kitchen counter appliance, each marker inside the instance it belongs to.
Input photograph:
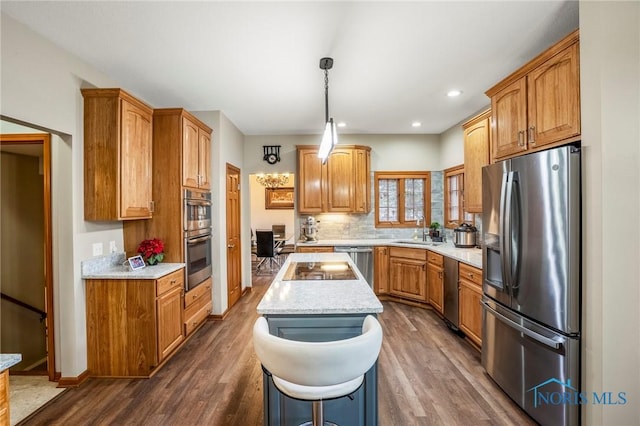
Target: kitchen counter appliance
(197, 237)
(465, 235)
(531, 303)
(451, 293)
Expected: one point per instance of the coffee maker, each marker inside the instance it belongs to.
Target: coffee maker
(310, 229)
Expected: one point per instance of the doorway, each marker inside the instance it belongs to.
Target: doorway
(234, 262)
(26, 285)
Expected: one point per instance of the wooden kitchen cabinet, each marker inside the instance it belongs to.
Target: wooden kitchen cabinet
(117, 156)
(477, 142)
(197, 306)
(342, 185)
(435, 280)
(538, 106)
(381, 270)
(314, 249)
(469, 297)
(181, 142)
(4, 398)
(408, 273)
(133, 325)
(196, 158)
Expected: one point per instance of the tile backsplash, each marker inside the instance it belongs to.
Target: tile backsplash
(337, 226)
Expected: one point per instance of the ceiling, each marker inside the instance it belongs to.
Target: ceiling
(258, 62)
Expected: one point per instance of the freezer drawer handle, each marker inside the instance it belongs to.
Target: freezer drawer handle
(535, 336)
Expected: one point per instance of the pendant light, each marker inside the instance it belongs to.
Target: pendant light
(330, 136)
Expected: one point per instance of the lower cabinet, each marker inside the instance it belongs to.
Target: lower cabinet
(408, 273)
(4, 398)
(435, 280)
(470, 295)
(197, 306)
(381, 270)
(133, 324)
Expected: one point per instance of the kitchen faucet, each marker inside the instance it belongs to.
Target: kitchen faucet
(424, 227)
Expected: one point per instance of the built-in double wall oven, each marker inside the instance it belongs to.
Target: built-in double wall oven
(197, 237)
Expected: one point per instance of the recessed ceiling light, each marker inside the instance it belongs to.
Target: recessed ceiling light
(416, 124)
(342, 124)
(454, 93)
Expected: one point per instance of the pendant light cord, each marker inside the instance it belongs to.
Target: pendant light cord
(326, 95)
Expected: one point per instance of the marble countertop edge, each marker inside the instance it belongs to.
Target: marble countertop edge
(9, 360)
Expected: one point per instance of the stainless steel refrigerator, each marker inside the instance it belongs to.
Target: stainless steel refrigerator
(532, 284)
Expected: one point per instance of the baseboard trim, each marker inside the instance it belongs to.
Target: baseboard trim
(218, 317)
(73, 382)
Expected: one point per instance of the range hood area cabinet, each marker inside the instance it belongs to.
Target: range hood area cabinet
(117, 156)
(174, 164)
(341, 185)
(477, 142)
(538, 106)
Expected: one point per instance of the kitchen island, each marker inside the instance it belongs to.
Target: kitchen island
(319, 297)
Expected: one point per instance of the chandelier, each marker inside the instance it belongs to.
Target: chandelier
(330, 136)
(272, 180)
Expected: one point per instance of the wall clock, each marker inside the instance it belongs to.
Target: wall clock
(271, 153)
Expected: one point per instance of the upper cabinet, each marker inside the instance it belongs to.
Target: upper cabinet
(477, 140)
(196, 153)
(117, 156)
(341, 185)
(538, 106)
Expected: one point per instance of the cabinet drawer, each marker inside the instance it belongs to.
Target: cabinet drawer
(469, 273)
(191, 323)
(203, 290)
(435, 258)
(318, 249)
(408, 253)
(169, 282)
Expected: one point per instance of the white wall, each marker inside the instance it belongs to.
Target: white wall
(610, 99)
(40, 86)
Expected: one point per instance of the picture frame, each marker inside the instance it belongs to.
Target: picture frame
(278, 198)
(136, 262)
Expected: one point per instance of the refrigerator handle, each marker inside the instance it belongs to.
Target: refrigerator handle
(535, 336)
(505, 227)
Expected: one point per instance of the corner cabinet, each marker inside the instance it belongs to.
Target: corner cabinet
(341, 185)
(538, 106)
(469, 297)
(477, 142)
(133, 325)
(408, 273)
(435, 280)
(117, 156)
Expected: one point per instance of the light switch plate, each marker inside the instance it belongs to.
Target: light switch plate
(97, 249)
(112, 247)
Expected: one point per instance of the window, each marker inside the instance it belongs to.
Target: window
(402, 198)
(454, 214)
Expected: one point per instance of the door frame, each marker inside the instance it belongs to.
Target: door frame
(45, 140)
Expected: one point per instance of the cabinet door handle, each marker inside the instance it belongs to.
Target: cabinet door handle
(521, 138)
(532, 135)
(152, 206)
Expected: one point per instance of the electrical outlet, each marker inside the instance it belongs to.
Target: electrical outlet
(97, 249)
(112, 247)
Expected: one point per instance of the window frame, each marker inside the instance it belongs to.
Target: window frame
(456, 171)
(401, 176)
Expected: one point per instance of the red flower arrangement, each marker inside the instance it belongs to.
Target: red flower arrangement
(152, 251)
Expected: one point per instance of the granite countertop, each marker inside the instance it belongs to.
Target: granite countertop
(9, 360)
(471, 256)
(110, 267)
(319, 296)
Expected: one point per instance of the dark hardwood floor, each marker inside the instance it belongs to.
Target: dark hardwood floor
(427, 376)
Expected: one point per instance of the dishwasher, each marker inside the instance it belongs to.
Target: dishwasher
(451, 293)
(362, 257)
